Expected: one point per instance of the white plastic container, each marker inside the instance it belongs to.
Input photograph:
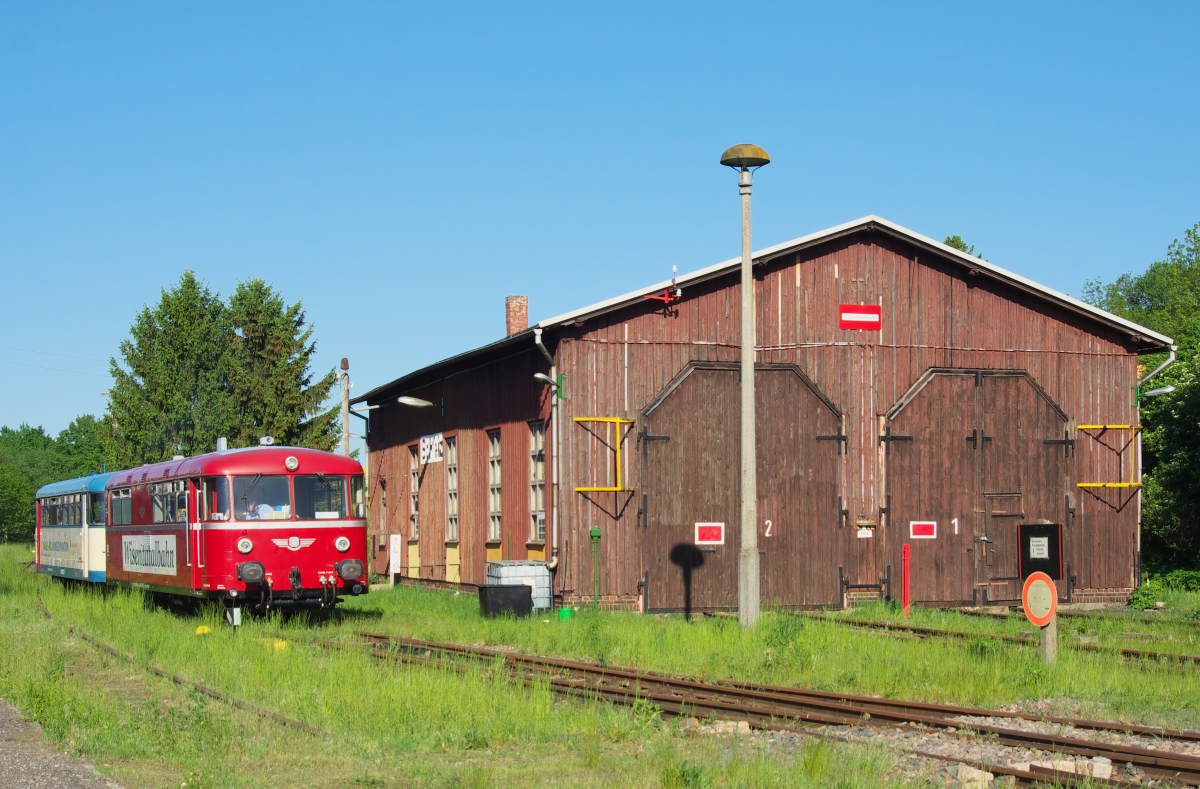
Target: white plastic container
(517, 572)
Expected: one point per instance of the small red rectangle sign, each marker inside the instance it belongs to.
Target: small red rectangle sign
(860, 316)
(922, 530)
(710, 533)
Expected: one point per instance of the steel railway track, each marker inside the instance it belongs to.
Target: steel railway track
(780, 708)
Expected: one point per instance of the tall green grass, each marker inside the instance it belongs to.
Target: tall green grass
(398, 725)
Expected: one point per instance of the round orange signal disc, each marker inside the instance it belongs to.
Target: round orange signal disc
(1039, 598)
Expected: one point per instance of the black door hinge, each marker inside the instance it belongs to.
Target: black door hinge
(644, 439)
(840, 438)
(1067, 442)
(843, 515)
(888, 509)
(643, 513)
(887, 438)
(1070, 510)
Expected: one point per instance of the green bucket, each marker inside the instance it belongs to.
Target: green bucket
(564, 614)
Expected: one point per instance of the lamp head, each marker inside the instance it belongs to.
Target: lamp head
(544, 378)
(745, 156)
(414, 401)
(1162, 390)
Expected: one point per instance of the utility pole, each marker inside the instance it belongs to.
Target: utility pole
(345, 406)
(742, 158)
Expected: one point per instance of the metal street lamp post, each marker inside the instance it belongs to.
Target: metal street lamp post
(745, 159)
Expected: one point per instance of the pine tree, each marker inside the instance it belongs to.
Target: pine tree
(270, 381)
(171, 397)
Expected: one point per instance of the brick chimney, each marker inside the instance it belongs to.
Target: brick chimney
(516, 314)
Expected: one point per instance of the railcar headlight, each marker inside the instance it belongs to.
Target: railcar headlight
(292, 463)
(244, 545)
(251, 572)
(342, 544)
(349, 569)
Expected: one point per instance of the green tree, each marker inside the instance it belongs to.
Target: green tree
(17, 512)
(33, 452)
(957, 242)
(1166, 298)
(81, 448)
(270, 379)
(171, 395)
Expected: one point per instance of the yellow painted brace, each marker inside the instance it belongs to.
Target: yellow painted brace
(1133, 472)
(614, 421)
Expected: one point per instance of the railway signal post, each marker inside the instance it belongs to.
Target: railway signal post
(1039, 599)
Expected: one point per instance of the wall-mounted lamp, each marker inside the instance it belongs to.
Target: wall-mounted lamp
(414, 401)
(1159, 391)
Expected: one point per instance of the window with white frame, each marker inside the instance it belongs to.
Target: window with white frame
(537, 481)
(451, 490)
(494, 500)
(414, 488)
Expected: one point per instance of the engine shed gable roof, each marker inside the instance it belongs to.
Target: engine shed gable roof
(1146, 338)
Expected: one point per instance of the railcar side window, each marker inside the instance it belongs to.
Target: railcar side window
(358, 498)
(167, 498)
(216, 499)
(96, 514)
(122, 511)
(320, 497)
(49, 512)
(261, 497)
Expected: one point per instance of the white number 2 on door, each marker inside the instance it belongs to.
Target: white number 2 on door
(768, 529)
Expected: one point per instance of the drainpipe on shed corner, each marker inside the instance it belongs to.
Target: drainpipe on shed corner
(537, 338)
(1138, 402)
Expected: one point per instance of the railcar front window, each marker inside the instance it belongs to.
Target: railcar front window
(215, 499)
(320, 497)
(261, 497)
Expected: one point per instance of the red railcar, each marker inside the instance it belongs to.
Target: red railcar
(262, 527)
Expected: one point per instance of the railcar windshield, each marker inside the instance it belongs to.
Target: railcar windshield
(261, 497)
(320, 497)
(215, 499)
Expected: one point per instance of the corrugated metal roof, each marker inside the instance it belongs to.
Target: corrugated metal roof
(1144, 335)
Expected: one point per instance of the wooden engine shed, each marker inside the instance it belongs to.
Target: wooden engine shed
(907, 394)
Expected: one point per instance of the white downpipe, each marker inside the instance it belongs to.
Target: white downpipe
(537, 338)
(1142, 382)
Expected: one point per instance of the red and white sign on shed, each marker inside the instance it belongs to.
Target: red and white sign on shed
(922, 530)
(868, 317)
(710, 533)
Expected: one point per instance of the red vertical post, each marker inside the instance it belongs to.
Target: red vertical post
(904, 598)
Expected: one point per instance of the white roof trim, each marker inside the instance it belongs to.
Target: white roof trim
(1052, 295)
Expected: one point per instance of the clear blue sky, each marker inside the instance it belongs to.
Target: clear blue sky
(401, 168)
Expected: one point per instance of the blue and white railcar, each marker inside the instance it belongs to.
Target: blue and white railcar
(71, 516)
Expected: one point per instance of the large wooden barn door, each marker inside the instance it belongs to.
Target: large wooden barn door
(1023, 479)
(972, 457)
(690, 445)
(931, 477)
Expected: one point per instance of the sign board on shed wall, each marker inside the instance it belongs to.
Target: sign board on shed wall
(867, 317)
(710, 533)
(431, 449)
